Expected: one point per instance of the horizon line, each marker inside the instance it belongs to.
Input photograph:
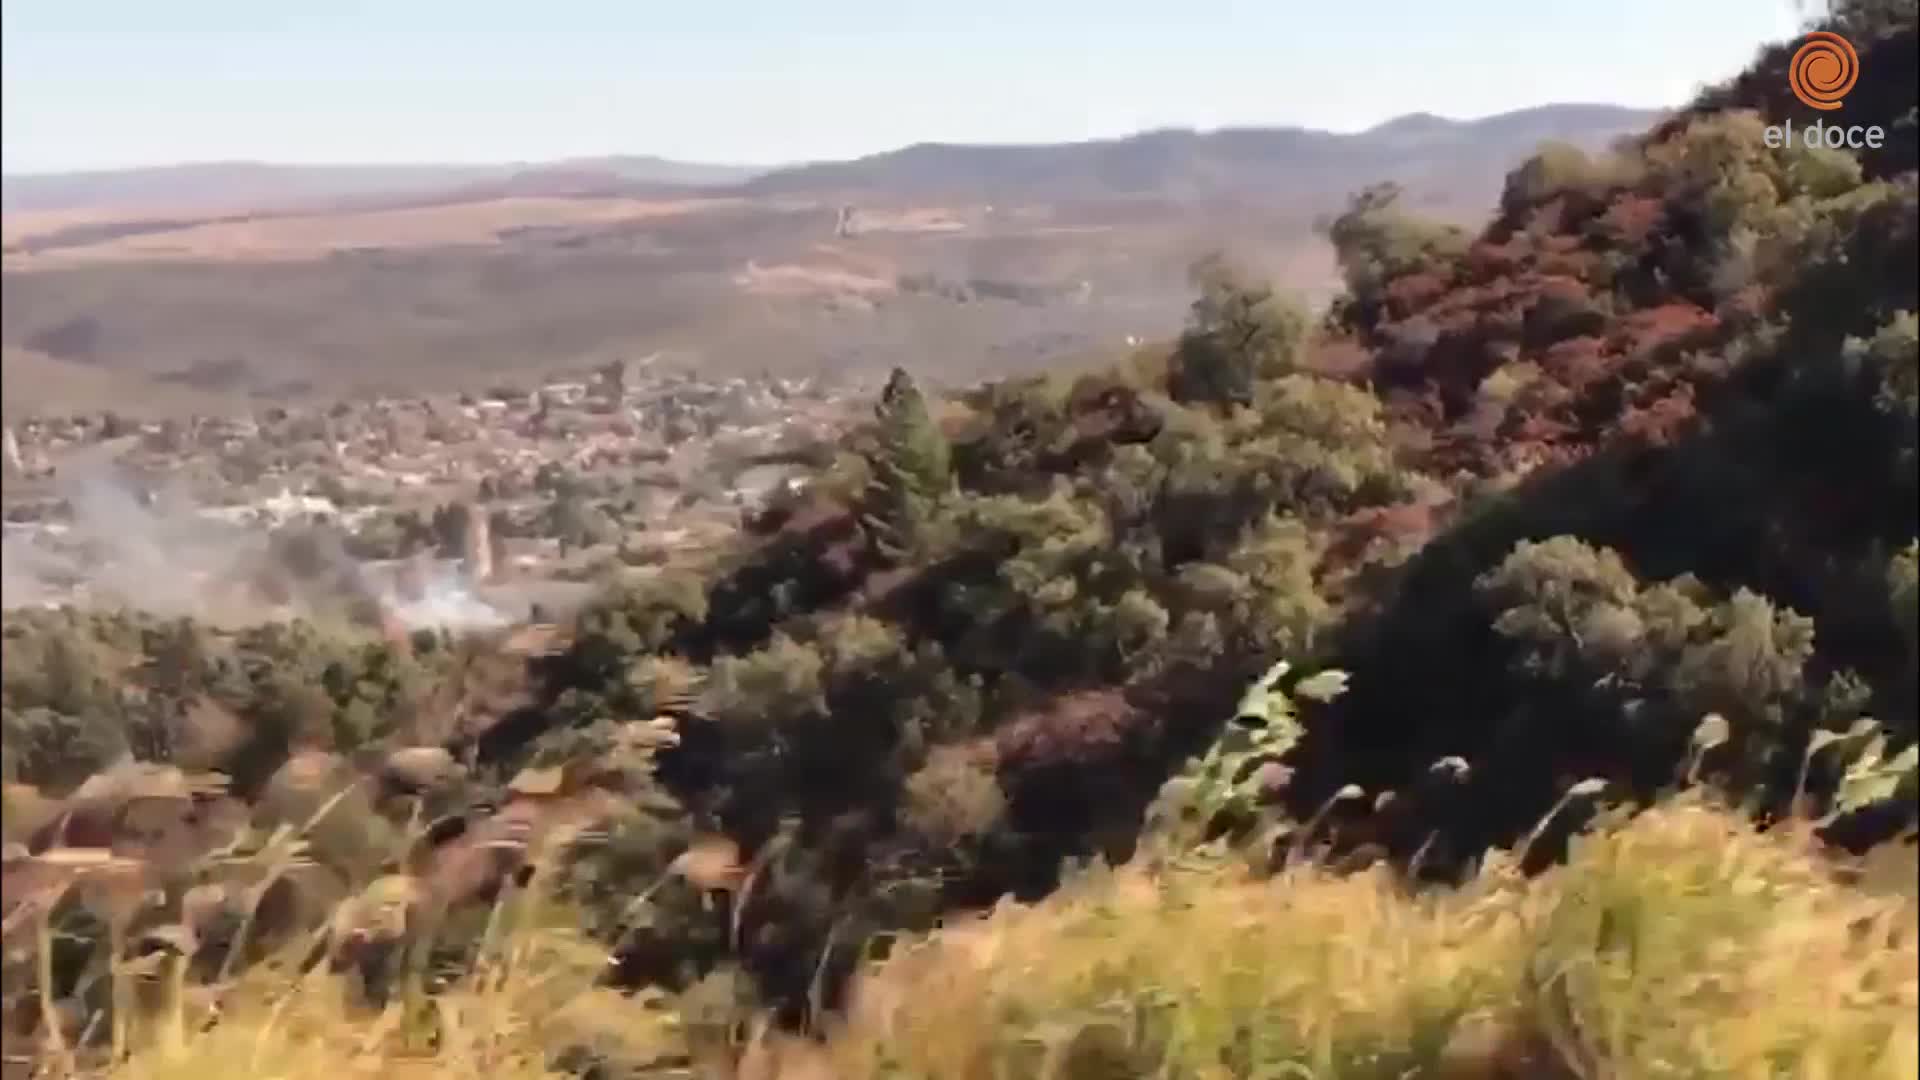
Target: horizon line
(766, 167)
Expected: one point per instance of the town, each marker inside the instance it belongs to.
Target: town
(460, 511)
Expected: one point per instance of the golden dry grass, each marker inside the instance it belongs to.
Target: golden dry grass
(1681, 944)
(526, 1002)
(530, 996)
(1677, 944)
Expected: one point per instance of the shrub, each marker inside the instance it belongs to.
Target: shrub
(53, 750)
(1559, 169)
(954, 797)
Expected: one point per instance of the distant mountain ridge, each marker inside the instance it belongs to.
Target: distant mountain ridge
(1231, 162)
(1427, 150)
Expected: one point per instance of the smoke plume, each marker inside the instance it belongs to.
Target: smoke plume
(122, 545)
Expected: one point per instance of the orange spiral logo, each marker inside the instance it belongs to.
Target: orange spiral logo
(1823, 70)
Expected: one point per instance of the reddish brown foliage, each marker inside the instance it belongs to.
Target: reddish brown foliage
(1575, 264)
(1577, 362)
(1630, 220)
(1538, 429)
(1085, 727)
(1109, 411)
(1674, 325)
(1390, 524)
(1340, 358)
(1560, 244)
(1539, 287)
(1412, 292)
(1561, 288)
(1661, 421)
(1415, 409)
(1487, 260)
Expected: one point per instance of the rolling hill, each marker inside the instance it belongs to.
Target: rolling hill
(246, 185)
(233, 281)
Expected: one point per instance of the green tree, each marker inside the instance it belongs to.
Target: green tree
(911, 465)
(1280, 612)
(1238, 332)
(1375, 243)
(1559, 168)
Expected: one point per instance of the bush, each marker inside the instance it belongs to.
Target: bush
(954, 797)
(1631, 668)
(1376, 243)
(55, 751)
(1561, 169)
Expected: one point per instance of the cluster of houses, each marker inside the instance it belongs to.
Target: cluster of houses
(669, 459)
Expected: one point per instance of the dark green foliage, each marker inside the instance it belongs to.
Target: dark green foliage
(1237, 333)
(1624, 671)
(114, 683)
(59, 750)
(912, 468)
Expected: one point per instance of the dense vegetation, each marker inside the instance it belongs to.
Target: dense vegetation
(1614, 497)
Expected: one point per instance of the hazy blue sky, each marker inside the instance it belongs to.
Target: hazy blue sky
(103, 83)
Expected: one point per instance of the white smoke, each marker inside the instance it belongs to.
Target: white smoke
(120, 548)
(444, 601)
(158, 552)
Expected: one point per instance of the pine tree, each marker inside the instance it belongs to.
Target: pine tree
(912, 468)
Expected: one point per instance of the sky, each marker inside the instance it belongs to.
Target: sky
(94, 84)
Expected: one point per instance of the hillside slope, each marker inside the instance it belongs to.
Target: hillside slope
(1359, 621)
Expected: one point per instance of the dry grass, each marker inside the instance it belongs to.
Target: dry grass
(527, 1002)
(1679, 944)
(529, 998)
(307, 236)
